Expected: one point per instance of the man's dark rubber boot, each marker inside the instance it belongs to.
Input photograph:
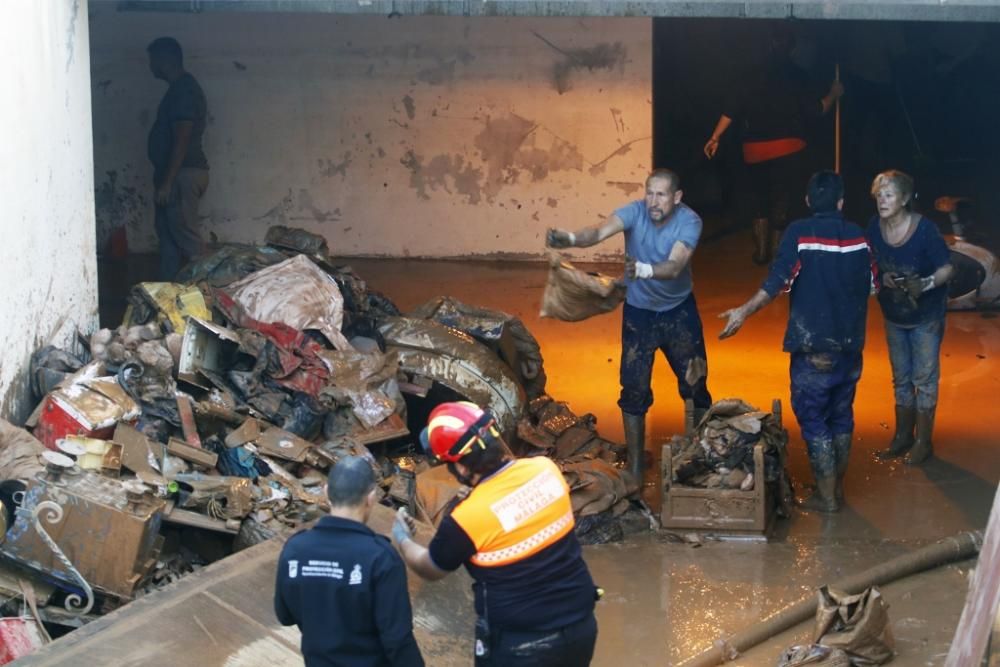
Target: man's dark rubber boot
(635, 442)
(922, 447)
(761, 247)
(823, 461)
(902, 441)
(842, 446)
(825, 498)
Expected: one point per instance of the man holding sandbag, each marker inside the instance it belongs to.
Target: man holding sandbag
(660, 311)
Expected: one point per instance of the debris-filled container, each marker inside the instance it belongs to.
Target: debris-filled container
(727, 475)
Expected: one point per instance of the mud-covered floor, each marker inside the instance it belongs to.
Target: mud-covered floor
(666, 601)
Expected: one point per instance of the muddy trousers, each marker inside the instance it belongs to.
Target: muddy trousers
(915, 357)
(570, 646)
(677, 333)
(176, 223)
(823, 388)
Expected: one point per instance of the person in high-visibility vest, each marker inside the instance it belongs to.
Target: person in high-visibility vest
(513, 532)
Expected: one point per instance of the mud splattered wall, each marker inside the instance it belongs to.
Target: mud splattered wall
(407, 136)
(48, 273)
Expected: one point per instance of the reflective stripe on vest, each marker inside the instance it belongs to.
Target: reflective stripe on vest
(516, 513)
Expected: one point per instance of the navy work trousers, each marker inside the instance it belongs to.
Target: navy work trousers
(678, 334)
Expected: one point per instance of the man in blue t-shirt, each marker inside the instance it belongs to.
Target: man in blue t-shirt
(660, 312)
(824, 262)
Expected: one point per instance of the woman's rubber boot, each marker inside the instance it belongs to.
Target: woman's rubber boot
(635, 443)
(922, 449)
(902, 441)
(761, 245)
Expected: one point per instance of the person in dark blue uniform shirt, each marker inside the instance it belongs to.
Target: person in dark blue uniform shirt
(826, 265)
(344, 585)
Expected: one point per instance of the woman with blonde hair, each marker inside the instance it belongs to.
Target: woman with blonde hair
(913, 262)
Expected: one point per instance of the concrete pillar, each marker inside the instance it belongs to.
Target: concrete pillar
(48, 272)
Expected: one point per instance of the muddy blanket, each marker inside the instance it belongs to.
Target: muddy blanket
(572, 295)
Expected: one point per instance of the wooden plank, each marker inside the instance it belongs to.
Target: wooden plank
(974, 627)
(195, 455)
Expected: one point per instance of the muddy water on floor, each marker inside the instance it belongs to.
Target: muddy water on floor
(666, 601)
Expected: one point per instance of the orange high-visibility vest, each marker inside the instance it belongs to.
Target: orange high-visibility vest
(516, 513)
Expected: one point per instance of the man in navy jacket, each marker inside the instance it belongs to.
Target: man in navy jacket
(344, 585)
(824, 262)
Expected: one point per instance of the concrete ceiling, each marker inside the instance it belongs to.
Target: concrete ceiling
(895, 10)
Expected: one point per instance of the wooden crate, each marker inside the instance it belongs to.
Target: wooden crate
(717, 511)
(723, 512)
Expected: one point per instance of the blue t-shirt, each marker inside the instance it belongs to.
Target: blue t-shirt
(649, 242)
(923, 253)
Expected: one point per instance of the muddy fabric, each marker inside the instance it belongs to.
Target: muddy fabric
(823, 389)
(229, 263)
(814, 655)
(678, 335)
(719, 453)
(856, 624)
(297, 239)
(572, 295)
(19, 452)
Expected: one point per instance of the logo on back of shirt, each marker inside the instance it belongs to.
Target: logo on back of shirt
(355, 575)
(293, 569)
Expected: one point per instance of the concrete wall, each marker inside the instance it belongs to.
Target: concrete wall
(407, 136)
(48, 273)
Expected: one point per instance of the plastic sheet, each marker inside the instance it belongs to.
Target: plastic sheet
(296, 293)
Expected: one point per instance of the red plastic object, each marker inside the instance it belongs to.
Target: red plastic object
(18, 637)
(58, 420)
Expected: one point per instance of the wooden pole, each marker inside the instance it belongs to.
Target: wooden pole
(836, 126)
(973, 631)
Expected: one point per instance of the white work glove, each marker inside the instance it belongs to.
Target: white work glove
(403, 527)
(643, 270)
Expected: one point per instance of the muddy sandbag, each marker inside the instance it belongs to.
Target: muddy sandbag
(19, 452)
(437, 488)
(856, 624)
(572, 295)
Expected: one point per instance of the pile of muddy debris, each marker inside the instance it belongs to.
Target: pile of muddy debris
(718, 452)
(206, 423)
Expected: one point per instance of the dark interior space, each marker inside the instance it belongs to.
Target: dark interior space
(918, 96)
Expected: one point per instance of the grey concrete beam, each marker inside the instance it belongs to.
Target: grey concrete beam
(884, 10)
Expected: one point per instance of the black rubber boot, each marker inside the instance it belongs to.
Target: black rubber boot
(761, 247)
(825, 498)
(922, 449)
(902, 441)
(842, 447)
(823, 460)
(635, 442)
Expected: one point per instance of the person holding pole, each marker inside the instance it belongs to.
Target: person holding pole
(771, 113)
